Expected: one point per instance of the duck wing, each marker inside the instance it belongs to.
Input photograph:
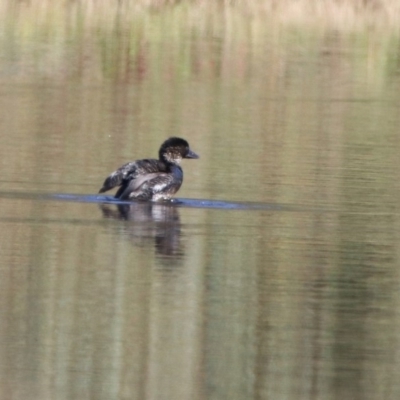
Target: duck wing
(130, 172)
(117, 177)
(145, 186)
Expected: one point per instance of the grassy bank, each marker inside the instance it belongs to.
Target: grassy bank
(332, 14)
(126, 40)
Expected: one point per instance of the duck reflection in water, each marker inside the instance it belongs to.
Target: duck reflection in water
(150, 222)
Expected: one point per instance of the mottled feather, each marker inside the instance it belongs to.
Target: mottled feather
(130, 171)
(152, 186)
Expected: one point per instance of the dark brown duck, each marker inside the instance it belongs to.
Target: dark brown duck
(151, 179)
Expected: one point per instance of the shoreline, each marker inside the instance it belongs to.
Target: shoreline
(350, 15)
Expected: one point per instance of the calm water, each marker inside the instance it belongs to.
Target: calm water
(281, 281)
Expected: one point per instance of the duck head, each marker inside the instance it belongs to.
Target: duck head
(174, 149)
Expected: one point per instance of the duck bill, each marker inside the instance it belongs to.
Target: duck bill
(191, 154)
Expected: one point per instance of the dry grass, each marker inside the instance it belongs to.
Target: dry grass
(345, 15)
(339, 14)
(108, 37)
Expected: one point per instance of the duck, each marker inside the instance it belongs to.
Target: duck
(151, 179)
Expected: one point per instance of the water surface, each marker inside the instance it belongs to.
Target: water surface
(274, 274)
